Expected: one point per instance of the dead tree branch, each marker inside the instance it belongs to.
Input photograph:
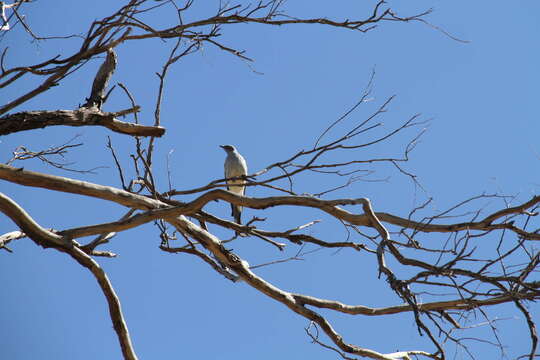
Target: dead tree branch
(47, 238)
(29, 120)
(154, 209)
(439, 285)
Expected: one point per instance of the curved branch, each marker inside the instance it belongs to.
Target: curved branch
(270, 19)
(296, 302)
(115, 309)
(35, 179)
(457, 304)
(48, 238)
(208, 240)
(63, 184)
(31, 228)
(241, 267)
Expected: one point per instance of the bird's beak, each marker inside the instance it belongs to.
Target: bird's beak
(222, 146)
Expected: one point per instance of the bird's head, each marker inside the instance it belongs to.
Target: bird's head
(227, 148)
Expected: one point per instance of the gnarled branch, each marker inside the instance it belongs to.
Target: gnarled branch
(29, 120)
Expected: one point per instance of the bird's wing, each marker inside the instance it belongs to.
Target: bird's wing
(244, 165)
(235, 166)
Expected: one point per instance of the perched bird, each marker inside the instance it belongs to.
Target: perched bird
(235, 166)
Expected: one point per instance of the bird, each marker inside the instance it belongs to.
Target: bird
(235, 166)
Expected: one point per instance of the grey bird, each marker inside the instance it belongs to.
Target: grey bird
(235, 166)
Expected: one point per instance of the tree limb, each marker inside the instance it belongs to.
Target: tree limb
(48, 238)
(35, 179)
(29, 120)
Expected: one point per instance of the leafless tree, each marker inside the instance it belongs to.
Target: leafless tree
(441, 284)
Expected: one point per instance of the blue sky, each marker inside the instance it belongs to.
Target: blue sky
(481, 97)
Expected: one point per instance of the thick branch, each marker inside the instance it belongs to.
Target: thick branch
(159, 209)
(241, 267)
(63, 184)
(331, 207)
(208, 240)
(30, 120)
(31, 228)
(48, 238)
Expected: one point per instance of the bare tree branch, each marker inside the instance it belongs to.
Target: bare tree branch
(30, 120)
(441, 281)
(6, 238)
(30, 178)
(295, 302)
(47, 238)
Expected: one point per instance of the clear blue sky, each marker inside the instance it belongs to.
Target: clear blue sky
(483, 98)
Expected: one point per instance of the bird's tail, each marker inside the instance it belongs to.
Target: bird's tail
(236, 213)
